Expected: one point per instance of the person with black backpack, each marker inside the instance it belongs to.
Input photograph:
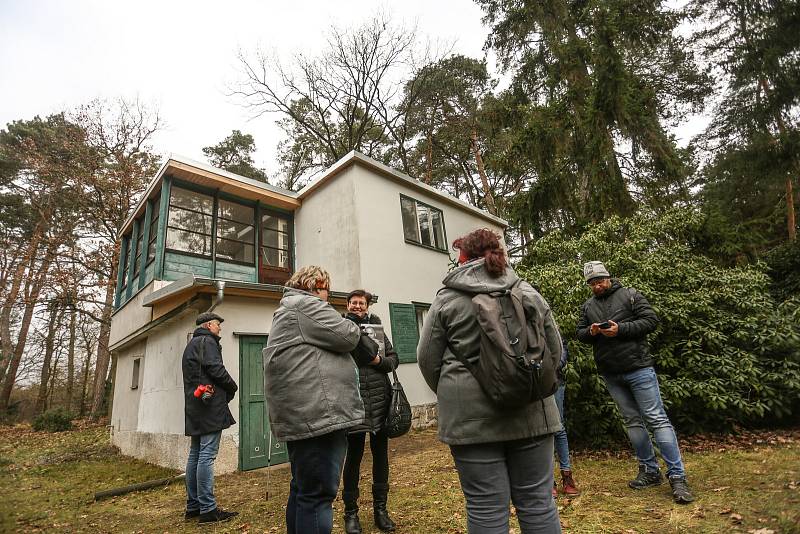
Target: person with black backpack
(489, 349)
(616, 321)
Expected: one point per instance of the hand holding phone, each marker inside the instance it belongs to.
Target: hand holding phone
(604, 325)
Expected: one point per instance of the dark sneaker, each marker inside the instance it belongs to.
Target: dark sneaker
(680, 490)
(217, 516)
(645, 479)
(191, 514)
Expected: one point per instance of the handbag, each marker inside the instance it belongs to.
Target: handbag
(398, 420)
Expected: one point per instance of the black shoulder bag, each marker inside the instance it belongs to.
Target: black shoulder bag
(398, 420)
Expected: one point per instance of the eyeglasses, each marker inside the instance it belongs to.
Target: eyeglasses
(596, 282)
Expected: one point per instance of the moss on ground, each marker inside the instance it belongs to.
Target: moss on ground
(47, 483)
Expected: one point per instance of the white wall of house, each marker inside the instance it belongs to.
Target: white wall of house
(148, 422)
(352, 226)
(325, 232)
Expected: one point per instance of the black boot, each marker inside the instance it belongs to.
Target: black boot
(380, 492)
(351, 523)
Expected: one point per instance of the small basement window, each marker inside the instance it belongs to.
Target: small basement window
(135, 378)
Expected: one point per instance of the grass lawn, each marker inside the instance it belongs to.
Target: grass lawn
(47, 483)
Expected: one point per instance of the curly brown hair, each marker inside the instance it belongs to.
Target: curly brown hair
(483, 243)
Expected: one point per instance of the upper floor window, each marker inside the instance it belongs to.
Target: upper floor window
(138, 256)
(189, 221)
(275, 249)
(151, 240)
(125, 260)
(235, 232)
(422, 224)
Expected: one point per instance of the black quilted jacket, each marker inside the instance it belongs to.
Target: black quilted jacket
(376, 389)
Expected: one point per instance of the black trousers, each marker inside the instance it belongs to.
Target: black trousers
(379, 445)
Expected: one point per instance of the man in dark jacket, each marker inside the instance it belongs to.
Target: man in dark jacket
(207, 390)
(376, 392)
(616, 322)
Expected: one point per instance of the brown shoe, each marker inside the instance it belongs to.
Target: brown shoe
(568, 483)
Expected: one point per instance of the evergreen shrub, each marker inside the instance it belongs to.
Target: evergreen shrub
(57, 420)
(726, 352)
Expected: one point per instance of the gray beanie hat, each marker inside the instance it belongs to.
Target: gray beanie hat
(594, 269)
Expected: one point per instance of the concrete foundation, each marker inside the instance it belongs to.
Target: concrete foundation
(171, 450)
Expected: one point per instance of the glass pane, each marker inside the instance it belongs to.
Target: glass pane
(235, 212)
(188, 242)
(272, 257)
(151, 251)
(183, 198)
(189, 220)
(273, 238)
(424, 225)
(409, 213)
(438, 229)
(274, 222)
(235, 250)
(235, 230)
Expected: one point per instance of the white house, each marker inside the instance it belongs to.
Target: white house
(370, 226)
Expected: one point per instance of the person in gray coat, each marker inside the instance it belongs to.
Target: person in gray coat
(500, 455)
(311, 388)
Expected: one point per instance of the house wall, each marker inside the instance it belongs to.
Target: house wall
(359, 213)
(148, 423)
(325, 232)
(131, 316)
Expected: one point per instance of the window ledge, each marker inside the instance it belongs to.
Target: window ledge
(421, 245)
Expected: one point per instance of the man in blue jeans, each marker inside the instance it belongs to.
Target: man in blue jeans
(616, 322)
(207, 390)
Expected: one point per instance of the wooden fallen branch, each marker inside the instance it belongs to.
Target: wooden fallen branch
(138, 487)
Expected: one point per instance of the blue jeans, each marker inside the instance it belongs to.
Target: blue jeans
(560, 437)
(639, 401)
(520, 471)
(316, 465)
(200, 472)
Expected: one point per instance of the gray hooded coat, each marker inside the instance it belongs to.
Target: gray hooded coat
(466, 415)
(310, 380)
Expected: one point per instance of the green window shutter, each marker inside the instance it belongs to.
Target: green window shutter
(405, 335)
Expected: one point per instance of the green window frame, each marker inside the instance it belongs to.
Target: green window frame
(189, 222)
(153, 237)
(236, 233)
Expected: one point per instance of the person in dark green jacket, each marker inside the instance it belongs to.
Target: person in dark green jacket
(616, 322)
(502, 455)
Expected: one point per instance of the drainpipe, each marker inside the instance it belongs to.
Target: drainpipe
(220, 284)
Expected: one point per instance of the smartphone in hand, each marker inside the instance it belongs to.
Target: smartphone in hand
(604, 325)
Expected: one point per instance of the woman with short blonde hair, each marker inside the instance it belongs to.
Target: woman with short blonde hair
(310, 278)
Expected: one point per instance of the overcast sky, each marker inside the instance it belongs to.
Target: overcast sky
(180, 56)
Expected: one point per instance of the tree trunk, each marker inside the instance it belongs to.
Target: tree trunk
(49, 345)
(7, 349)
(103, 354)
(30, 304)
(87, 344)
(488, 198)
(71, 360)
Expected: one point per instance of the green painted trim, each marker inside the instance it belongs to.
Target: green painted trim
(131, 254)
(123, 253)
(214, 234)
(148, 215)
(163, 207)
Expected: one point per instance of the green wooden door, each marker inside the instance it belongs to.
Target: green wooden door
(254, 435)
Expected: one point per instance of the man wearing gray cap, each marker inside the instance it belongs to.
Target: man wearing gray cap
(207, 390)
(616, 322)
